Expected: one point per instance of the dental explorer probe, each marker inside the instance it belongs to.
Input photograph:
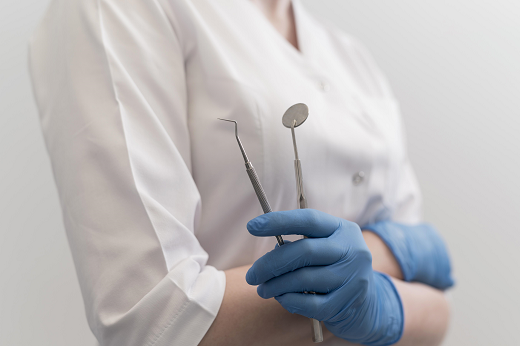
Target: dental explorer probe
(259, 190)
(294, 117)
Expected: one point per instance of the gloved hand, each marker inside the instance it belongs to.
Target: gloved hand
(357, 304)
(419, 250)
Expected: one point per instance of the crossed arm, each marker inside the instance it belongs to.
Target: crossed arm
(246, 319)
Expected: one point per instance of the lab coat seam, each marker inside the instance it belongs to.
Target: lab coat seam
(170, 323)
(262, 134)
(114, 89)
(98, 326)
(193, 300)
(262, 160)
(189, 300)
(173, 25)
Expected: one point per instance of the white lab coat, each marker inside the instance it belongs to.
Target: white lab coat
(153, 188)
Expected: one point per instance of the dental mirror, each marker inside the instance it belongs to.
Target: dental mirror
(296, 114)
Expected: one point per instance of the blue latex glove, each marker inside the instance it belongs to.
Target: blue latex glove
(357, 304)
(419, 250)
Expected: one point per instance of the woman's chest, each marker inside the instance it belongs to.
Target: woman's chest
(237, 71)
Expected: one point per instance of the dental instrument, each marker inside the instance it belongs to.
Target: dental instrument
(251, 172)
(294, 117)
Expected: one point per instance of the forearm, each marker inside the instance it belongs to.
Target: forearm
(246, 319)
(426, 309)
(382, 258)
(426, 314)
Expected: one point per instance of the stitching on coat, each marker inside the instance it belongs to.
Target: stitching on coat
(174, 317)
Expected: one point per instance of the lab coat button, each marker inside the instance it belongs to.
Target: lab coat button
(323, 86)
(358, 178)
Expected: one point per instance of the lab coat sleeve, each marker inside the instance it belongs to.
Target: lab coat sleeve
(109, 81)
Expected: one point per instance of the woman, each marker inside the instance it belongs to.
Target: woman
(155, 198)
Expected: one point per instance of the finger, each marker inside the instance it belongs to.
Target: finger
(308, 305)
(308, 222)
(308, 279)
(292, 256)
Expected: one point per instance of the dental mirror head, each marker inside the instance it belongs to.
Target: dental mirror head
(296, 114)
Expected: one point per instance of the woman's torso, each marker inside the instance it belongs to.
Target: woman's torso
(239, 67)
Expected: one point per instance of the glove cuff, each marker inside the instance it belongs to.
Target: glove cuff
(399, 302)
(390, 322)
(419, 251)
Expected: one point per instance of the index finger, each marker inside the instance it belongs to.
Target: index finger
(290, 257)
(308, 222)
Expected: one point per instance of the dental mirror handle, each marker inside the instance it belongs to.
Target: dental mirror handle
(317, 331)
(301, 199)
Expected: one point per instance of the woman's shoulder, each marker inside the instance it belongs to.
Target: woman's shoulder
(348, 50)
(354, 50)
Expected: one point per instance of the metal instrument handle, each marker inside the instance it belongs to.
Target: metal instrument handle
(300, 195)
(260, 193)
(317, 331)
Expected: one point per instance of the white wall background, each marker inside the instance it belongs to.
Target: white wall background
(454, 65)
(40, 301)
